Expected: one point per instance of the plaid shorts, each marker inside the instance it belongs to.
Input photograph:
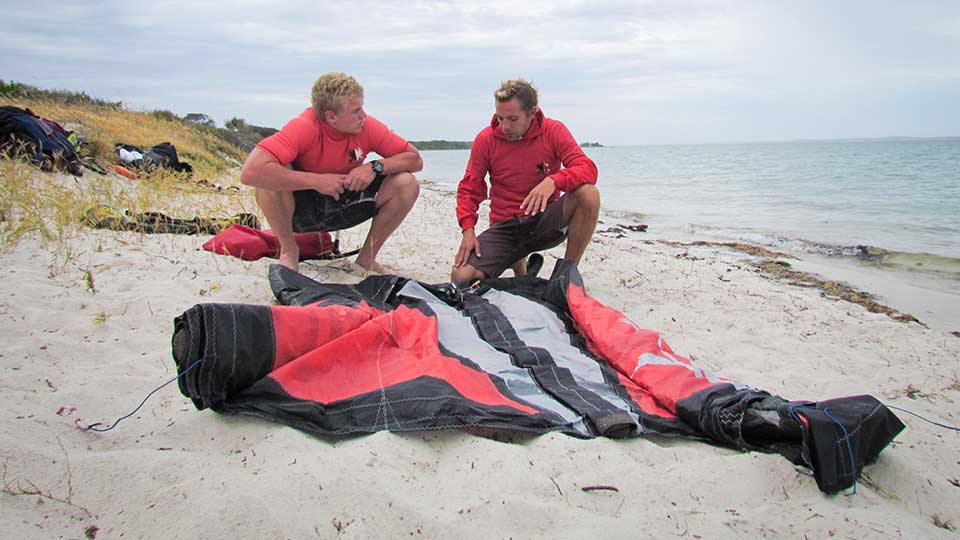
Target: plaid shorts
(510, 240)
(315, 211)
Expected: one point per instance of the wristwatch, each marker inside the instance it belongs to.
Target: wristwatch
(377, 166)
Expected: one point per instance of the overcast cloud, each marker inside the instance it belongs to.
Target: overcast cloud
(616, 72)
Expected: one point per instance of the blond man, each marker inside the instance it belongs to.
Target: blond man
(312, 175)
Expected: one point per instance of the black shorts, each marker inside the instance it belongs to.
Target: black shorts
(315, 211)
(510, 240)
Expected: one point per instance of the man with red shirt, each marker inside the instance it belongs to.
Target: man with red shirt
(522, 151)
(311, 175)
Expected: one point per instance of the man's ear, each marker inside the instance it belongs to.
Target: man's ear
(329, 116)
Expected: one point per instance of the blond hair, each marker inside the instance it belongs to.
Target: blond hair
(521, 89)
(331, 90)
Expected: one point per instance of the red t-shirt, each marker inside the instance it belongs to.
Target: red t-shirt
(313, 146)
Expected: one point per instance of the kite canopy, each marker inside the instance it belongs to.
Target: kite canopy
(523, 354)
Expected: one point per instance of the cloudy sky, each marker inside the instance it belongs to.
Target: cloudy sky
(618, 72)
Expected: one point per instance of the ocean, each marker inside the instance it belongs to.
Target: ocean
(880, 214)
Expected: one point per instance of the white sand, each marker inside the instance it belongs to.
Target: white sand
(173, 472)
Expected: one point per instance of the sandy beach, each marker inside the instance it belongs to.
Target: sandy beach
(88, 324)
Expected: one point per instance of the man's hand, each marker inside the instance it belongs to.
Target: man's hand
(330, 184)
(468, 244)
(538, 197)
(359, 178)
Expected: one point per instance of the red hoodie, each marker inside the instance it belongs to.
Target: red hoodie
(516, 167)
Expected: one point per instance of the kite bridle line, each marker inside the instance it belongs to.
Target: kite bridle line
(69, 409)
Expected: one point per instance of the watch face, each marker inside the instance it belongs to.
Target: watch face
(377, 166)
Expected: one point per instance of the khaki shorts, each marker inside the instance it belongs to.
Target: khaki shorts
(510, 240)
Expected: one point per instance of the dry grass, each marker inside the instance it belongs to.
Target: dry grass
(210, 156)
(50, 206)
(38, 203)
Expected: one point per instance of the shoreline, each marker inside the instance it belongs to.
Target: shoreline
(90, 326)
(931, 299)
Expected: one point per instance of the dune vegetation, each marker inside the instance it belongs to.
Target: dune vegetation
(52, 206)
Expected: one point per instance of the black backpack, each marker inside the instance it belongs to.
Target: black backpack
(44, 140)
(161, 155)
(165, 155)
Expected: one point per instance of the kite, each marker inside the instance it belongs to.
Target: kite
(523, 354)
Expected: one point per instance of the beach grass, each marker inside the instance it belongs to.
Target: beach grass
(52, 205)
(106, 124)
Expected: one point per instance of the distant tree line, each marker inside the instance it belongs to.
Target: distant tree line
(442, 145)
(245, 135)
(16, 90)
(236, 131)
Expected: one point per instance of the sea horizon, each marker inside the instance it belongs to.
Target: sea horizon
(778, 141)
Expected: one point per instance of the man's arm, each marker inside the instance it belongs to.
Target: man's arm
(577, 170)
(407, 161)
(536, 201)
(471, 191)
(262, 170)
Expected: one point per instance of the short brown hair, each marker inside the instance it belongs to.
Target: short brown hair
(521, 89)
(331, 89)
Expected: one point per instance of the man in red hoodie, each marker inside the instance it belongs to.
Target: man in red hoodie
(312, 175)
(522, 151)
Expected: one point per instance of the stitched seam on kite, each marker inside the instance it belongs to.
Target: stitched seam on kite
(553, 370)
(193, 343)
(401, 400)
(389, 404)
(841, 441)
(330, 412)
(213, 352)
(380, 288)
(508, 342)
(271, 418)
(233, 366)
(854, 431)
(376, 420)
(385, 402)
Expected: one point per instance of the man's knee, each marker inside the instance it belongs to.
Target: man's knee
(403, 184)
(269, 199)
(587, 196)
(465, 273)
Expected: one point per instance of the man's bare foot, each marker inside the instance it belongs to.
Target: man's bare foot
(371, 266)
(290, 259)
